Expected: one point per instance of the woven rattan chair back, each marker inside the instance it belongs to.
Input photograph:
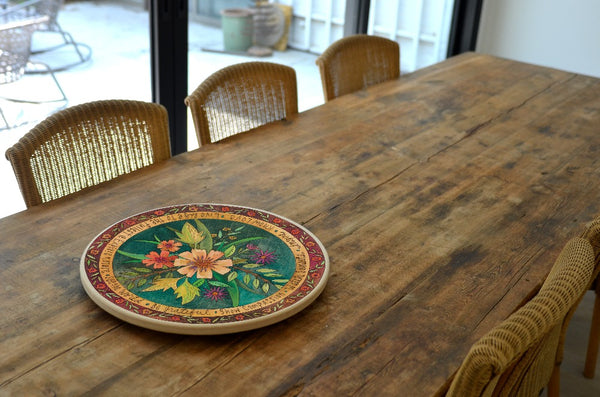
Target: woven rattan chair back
(592, 233)
(241, 97)
(356, 62)
(517, 357)
(88, 144)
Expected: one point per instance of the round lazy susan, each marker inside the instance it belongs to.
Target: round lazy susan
(204, 269)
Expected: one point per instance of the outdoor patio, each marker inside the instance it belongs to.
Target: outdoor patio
(118, 34)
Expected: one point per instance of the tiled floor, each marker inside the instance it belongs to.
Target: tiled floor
(117, 31)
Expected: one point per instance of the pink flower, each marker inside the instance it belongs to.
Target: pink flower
(264, 257)
(202, 264)
(215, 293)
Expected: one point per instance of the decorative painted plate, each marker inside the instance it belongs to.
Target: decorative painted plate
(204, 269)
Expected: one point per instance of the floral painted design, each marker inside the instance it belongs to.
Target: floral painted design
(170, 246)
(263, 257)
(215, 293)
(158, 261)
(201, 264)
(198, 267)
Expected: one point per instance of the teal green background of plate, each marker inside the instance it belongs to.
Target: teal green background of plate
(129, 271)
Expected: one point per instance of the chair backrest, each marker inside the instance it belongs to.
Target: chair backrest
(88, 144)
(517, 357)
(50, 8)
(241, 97)
(356, 62)
(15, 44)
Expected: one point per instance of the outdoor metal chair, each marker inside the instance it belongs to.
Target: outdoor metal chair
(518, 357)
(355, 62)
(50, 8)
(241, 97)
(15, 47)
(86, 145)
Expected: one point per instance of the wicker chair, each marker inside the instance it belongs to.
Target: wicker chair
(593, 235)
(517, 357)
(15, 48)
(356, 62)
(240, 97)
(88, 144)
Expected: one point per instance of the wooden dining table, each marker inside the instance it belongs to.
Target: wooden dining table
(442, 199)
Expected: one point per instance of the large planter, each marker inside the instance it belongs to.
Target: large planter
(237, 24)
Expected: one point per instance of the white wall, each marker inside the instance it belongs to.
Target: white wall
(563, 34)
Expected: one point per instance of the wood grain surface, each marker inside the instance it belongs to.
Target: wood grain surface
(442, 199)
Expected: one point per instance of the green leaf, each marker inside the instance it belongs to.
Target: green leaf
(218, 284)
(234, 293)
(147, 241)
(256, 283)
(190, 235)
(281, 280)
(142, 282)
(163, 284)
(232, 276)
(207, 243)
(242, 241)
(246, 278)
(187, 292)
(134, 256)
(229, 251)
(265, 288)
(199, 282)
(252, 265)
(265, 270)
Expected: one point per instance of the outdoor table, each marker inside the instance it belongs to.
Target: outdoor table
(442, 199)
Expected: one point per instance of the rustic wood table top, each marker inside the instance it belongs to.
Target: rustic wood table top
(442, 199)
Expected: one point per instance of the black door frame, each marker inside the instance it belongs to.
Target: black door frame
(465, 26)
(169, 64)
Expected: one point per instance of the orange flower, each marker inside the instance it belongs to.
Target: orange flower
(170, 246)
(159, 260)
(202, 264)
